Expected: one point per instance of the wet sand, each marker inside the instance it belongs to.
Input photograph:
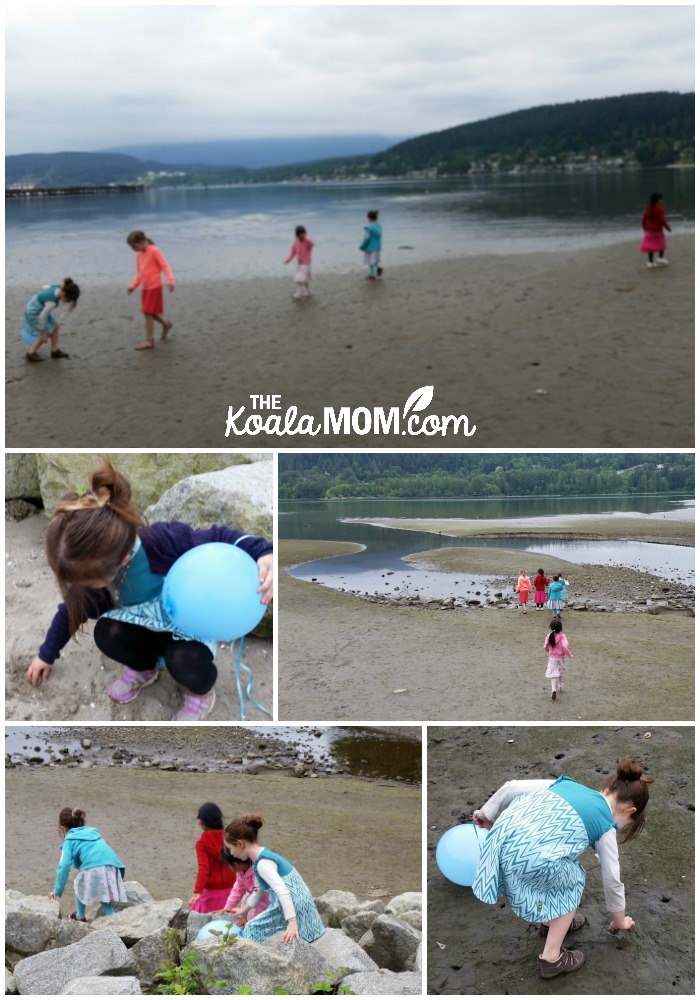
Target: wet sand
(149, 818)
(487, 949)
(582, 348)
(77, 686)
(341, 657)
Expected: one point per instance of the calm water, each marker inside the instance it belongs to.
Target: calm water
(381, 566)
(245, 231)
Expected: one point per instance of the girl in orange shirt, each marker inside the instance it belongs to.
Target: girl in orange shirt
(150, 263)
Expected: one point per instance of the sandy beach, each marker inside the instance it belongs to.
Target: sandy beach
(76, 690)
(475, 949)
(341, 657)
(575, 349)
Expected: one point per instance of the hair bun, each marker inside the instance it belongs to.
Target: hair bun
(252, 819)
(629, 769)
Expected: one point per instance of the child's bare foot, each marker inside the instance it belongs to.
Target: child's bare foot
(167, 327)
(144, 345)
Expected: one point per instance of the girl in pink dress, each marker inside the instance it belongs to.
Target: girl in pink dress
(556, 646)
(244, 886)
(523, 588)
(301, 249)
(653, 223)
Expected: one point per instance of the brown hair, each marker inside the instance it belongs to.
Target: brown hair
(244, 828)
(71, 291)
(137, 236)
(70, 818)
(373, 215)
(90, 535)
(629, 785)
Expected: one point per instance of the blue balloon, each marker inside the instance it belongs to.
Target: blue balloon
(30, 337)
(458, 852)
(216, 927)
(210, 592)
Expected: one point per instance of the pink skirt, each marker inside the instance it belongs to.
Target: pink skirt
(555, 666)
(540, 596)
(152, 300)
(523, 596)
(211, 900)
(653, 242)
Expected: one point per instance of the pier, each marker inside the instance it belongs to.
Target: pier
(64, 192)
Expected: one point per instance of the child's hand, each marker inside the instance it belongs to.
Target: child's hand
(626, 924)
(266, 577)
(194, 899)
(38, 671)
(481, 821)
(291, 933)
(52, 896)
(129, 291)
(171, 288)
(240, 911)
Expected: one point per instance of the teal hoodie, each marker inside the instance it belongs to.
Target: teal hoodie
(84, 848)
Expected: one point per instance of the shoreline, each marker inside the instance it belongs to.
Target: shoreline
(563, 340)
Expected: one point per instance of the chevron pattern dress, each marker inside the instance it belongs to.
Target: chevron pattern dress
(530, 858)
(272, 920)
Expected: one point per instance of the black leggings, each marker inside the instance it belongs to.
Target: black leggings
(189, 662)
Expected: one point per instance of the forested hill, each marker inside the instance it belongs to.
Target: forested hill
(350, 475)
(655, 128)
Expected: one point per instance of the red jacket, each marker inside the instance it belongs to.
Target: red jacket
(212, 873)
(541, 582)
(654, 219)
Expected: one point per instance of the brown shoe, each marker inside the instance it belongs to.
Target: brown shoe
(568, 961)
(576, 924)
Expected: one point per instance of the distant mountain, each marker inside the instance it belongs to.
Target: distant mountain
(259, 153)
(59, 169)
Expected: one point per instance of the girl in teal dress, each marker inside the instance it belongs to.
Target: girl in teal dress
(40, 323)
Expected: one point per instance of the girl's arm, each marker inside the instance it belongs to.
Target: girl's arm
(165, 268)
(501, 799)
(607, 850)
(59, 634)
(63, 871)
(203, 868)
(168, 540)
(565, 647)
(292, 253)
(269, 872)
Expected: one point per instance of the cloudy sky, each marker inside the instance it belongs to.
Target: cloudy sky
(86, 77)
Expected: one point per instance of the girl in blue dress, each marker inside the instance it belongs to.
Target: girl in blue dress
(40, 323)
(100, 872)
(292, 908)
(538, 829)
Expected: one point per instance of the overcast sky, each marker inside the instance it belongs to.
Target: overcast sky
(87, 77)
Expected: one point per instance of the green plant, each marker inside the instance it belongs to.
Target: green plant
(185, 975)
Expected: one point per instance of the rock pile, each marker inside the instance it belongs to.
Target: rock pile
(372, 947)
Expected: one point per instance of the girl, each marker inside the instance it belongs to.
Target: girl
(301, 249)
(150, 262)
(100, 872)
(541, 583)
(538, 829)
(40, 324)
(243, 888)
(558, 594)
(292, 908)
(556, 646)
(111, 566)
(523, 588)
(653, 223)
(372, 246)
(214, 877)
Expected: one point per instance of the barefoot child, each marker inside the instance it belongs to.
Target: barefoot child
(538, 830)
(100, 872)
(150, 263)
(556, 646)
(372, 246)
(214, 877)
(292, 908)
(42, 317)
(301, 249)
(111, 566)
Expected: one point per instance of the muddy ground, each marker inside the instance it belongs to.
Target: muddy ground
(149, 816)
(77, 686)
(342, 657)
(478, 949)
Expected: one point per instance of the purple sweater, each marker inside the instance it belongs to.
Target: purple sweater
(163, 543)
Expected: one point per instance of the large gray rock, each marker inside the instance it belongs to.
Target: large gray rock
(152, 954)
(138, 922)
(357, 924)
(103, 986)
(136, 895)
(301, 953)
(21, 477)
(406, 901)
(391, 943)
(150, 475)
(341, 952)
(383, 983)
(244, 963)
(328, 903)
(414, 918)
(31, 922)
(10, 984)
(367, 905)
(101, 953)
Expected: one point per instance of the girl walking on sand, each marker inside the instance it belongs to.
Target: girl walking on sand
(558, 594)
(292, 908)
(556, 646)
(150, 264)
(538, 830)
(541, 582)
(111, 566)
(42, 317)
(301, 249)
(653, 223)
(100, 872)
(523, 588)
(372, 245)
(214, 877)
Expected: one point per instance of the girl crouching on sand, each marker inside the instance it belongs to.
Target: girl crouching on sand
(538, 830)
(43, 315)
(292, 908)
(100, 872)
(556, 646)
(111, 566)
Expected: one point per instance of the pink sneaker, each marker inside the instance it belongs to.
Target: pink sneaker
(195, 707)
(128, 686)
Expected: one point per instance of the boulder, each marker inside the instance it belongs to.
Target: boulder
(10, 984)
(31, 922)
(330, 901)
(103, 986)
(342, 911)
(100, 953)
(152, 954)
(414, 918)
(304, 954)
(341, 952)
(418, 963)
(137, 922)
(406, 901)
(21, 477)
(245, 963)
(357, 924)
(384, 983)
(391, 943)
(136, 894)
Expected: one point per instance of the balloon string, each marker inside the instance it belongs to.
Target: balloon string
(240, 665)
